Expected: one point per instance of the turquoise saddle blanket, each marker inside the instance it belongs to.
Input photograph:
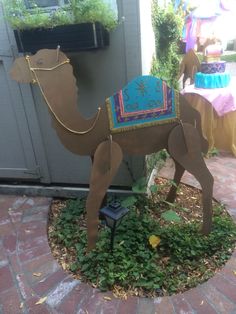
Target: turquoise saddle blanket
(145, 101)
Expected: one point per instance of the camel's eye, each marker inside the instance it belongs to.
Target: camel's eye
(39, 61)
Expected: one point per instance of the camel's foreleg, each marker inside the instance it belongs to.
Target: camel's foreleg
(190, 158)
(106, 161)
(179, 171)
(104, 201)
(185, 77)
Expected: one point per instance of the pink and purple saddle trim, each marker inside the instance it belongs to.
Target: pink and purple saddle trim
(143, 102)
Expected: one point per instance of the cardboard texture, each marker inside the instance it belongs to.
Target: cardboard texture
(182, 138)
(189, 65)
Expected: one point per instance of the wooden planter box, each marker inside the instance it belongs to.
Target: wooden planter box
(77, 37)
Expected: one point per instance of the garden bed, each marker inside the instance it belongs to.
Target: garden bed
(139, 266)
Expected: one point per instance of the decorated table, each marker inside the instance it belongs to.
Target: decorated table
(218, 113)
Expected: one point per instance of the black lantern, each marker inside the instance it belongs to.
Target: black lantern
(113, 214)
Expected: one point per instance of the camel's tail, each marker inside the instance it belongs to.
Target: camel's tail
(192, 116)
(204, 141)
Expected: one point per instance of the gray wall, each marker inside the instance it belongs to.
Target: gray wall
(99, 74)
(20, 139)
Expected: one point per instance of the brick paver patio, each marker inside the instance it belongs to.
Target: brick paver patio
(28, 272)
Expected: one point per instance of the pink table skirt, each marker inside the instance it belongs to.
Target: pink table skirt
(223, 100)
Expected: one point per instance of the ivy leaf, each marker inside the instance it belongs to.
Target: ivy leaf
(173, 183)
(129, 201)
(153, 188)
(74, 267)
(170, 215)
(140, 186)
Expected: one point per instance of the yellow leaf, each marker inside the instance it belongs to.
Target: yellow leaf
(234, 272)
(42, 300)
(37, 274)
(63, 264)
(107, 298)
(154, 241)
(21, 305)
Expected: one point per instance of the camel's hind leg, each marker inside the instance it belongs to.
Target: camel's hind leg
(185, 148)
(179, 171)
(106, 162)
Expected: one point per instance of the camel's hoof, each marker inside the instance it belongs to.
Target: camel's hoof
(206, 230)
(90, 248)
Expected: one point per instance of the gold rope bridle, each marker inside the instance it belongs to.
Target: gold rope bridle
(36, 80)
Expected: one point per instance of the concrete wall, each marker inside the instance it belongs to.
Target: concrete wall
(147, 35)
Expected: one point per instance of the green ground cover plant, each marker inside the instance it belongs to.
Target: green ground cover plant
(76, 11)
(158, 247)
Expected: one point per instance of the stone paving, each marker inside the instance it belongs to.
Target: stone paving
(29, 273)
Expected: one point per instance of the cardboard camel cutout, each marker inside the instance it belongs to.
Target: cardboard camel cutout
(182, 137)
(189, 65)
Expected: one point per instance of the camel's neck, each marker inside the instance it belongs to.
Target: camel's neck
(60, 92)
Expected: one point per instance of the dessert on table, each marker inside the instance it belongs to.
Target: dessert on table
(212, 70)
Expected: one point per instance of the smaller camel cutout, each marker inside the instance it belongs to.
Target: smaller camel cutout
(189, 65)
(99, 138)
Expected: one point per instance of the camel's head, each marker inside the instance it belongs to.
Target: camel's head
(45, 58)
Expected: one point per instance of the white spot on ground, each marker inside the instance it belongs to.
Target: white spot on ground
(55, 297)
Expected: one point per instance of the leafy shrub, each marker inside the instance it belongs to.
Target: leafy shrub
(167, 25)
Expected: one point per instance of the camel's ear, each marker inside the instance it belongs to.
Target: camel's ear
(20, 71)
